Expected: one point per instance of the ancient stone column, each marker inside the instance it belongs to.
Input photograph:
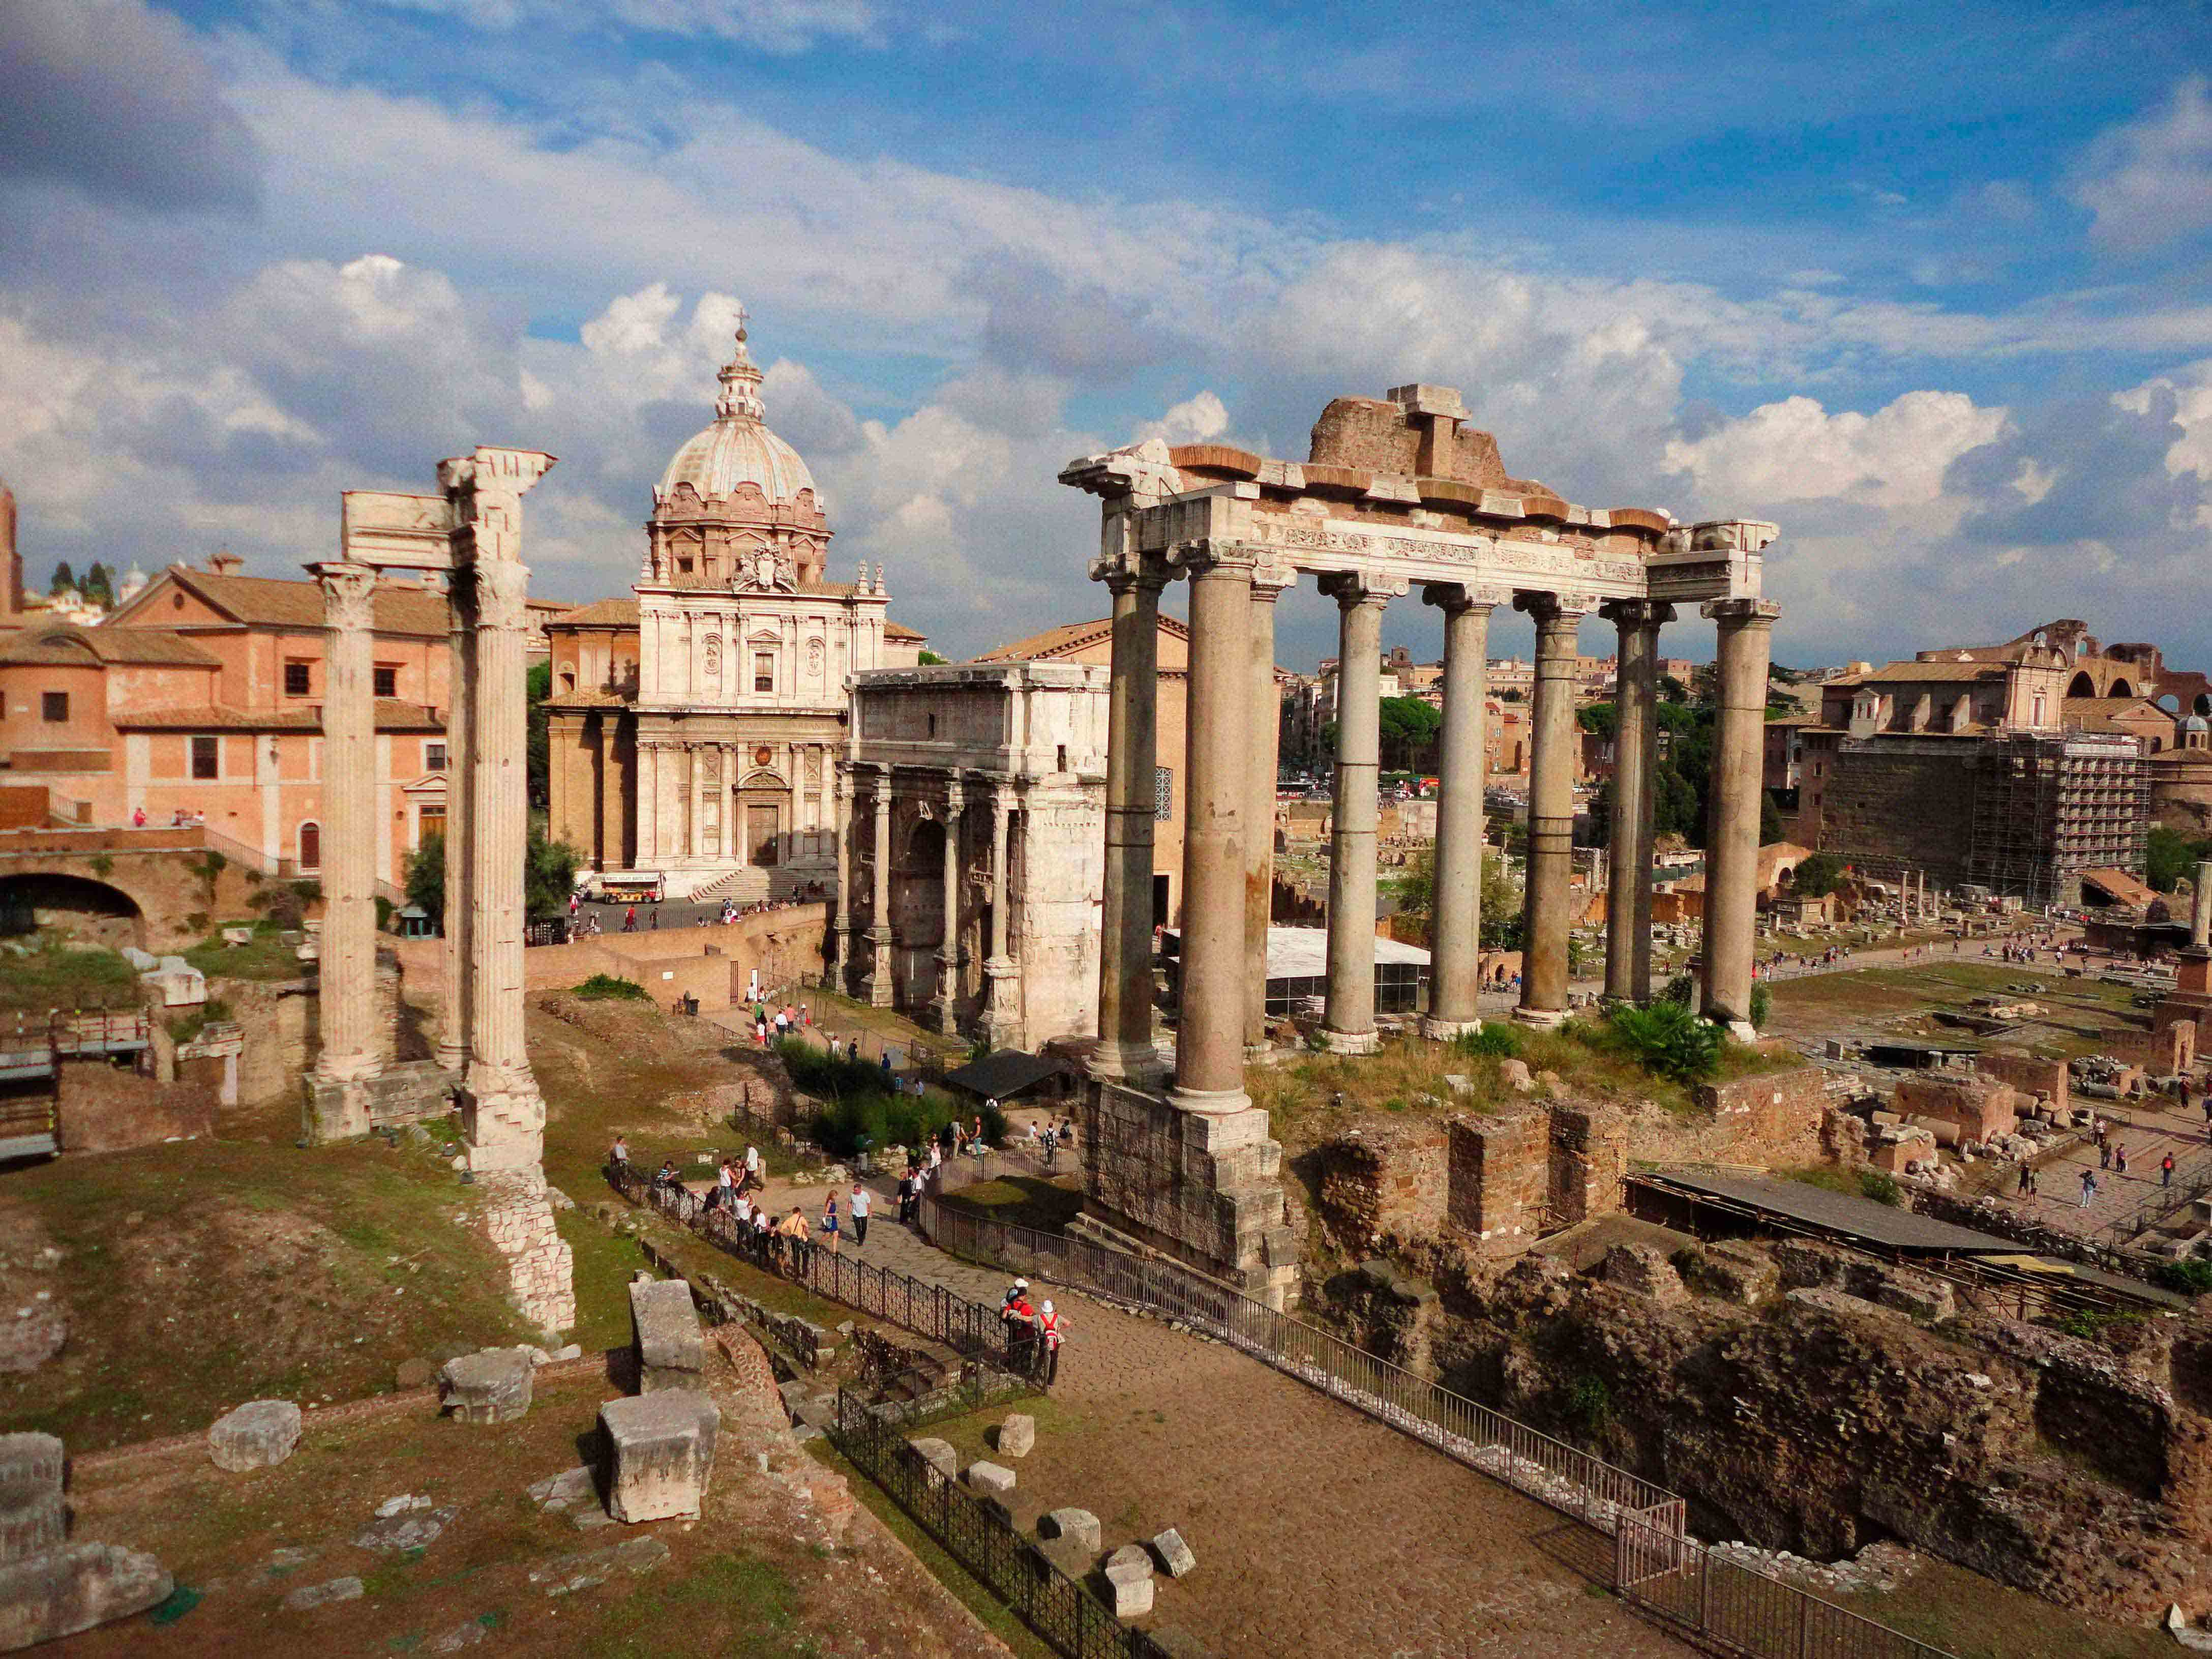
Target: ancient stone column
(457, 956)
(347, 997)
(1348, 1026)
(1126, 1052)
(1002, 1020)
(841, 929)
(879, 918)
(1268, 583)
(948, 954)
(2200, 907)
(1746, 631)
(503, 1114)
(1456, 924)
(1550, 808)
(1210, 1034)
(1636, 716)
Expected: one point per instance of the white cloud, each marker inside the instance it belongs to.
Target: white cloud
(1195, 420)
(2190, 387)
(2150, 184)
(1796, 451)
(778, 26)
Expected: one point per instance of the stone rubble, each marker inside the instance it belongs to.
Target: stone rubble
(1128, 1574)
(492, 1385)
(316, 1595)
(1017, 1435)
(1175, 1557)
(992, 1478)
(256, 1436)
(558, 1491)
(1079, 1526)
(407, 1530)
(571, 1573)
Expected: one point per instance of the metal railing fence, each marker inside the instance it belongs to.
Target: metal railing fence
(969, 1328)
(1066, 1617)
(1658, 1565)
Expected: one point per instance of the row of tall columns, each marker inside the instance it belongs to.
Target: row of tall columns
(1745, 628)
(1548, 899)
(1635, 761)
(1348, 1023)
(346, 999)
(1456, 914)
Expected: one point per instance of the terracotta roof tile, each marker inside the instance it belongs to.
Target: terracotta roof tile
(62, 644)
(599, 613)
(275, 602)
(390, 716)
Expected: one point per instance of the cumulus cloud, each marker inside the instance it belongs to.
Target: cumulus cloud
(116, 99)
(2150, 184)
(1195, 420)
(1796, 451)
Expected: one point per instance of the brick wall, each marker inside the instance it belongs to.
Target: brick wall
(1500, 1179)
(1907, 801)
(1775, 1114)
(2027, 1076)
(1384, 1182)
(1588, 1156)
(105, 1108)
(1977, 1107)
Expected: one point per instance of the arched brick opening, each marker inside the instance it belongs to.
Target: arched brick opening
(94, 911)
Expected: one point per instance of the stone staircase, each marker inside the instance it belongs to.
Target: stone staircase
(745, 886)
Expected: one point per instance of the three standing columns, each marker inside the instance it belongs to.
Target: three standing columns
(1746, 632)
(1635, 759)
(1551, 809)
(1210, 1040)
(346, 999)
(1125, 1051)
(1348, 1023)
(1456, 935)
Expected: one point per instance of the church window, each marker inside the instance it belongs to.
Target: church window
(434, 756)
(299, 679)
(763, 670)
(53, 708)
(207, 757)
(386, 682)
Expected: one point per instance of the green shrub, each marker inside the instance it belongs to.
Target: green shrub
(1589, 1402)
(1762, 1004)
(1669, 1041)
(384, 912)
(2191, 1275)
(1877, 1186)
(605, 988)
(1679, 990)
(1497, 1040)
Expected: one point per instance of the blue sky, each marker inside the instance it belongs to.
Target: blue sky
(1925, 284)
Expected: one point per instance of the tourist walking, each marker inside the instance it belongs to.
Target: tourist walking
(1049, 1327)
(829, 1220)
(618, 1156)
(630, 919)
(752, 1166)
(2024, 1167)
(861, 1203)
(2104, 1156)
(2120, 1158)
(2088, 1187)
(796, 1241)
(2165, 1170)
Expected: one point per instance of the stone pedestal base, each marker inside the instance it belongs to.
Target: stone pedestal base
(661, 1448)
(1132, 1066)
(1741, 1030)
(1204, 1187)
(1544, 1019)
(876, 985)
(1350, 1042)
(1444, 1030)
(1002, 1021)
(344, 1108)
(540, 1267)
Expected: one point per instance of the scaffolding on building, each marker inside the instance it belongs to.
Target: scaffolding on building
(2048, 807)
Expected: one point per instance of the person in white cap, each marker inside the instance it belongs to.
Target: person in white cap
(1049, 1327)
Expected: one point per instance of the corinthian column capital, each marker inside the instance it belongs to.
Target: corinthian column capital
(349, 594)
(1740, 613)
(1453, 597)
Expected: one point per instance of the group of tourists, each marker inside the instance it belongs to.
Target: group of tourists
(782, 1021)
(1033, 1334)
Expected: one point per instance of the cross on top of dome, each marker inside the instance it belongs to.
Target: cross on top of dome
(740, 377)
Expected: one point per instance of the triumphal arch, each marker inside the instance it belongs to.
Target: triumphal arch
(1399, 495)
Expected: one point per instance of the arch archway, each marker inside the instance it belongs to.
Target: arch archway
(310, 845)
(89, 911)
(2121, 688)
(2081, 685)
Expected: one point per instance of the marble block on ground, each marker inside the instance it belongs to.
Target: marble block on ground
(258, 1434)
(1177, 1558)
(993, 1477)
(672, 1347)
(75, 1587)
(33, 1516)
(1128, 1573)
(938, 1455)
(492, 1385)
(1017, 1436)
(661, 1451)
(1079, 1524)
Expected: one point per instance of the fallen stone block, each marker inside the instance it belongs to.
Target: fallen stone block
(672, 1347)
(1016, 1435)
(489, 1386)
(74, 1588)
(940, 1455)
(32, 1516)
(558, 1491)
(466, 1634)
(993, 1477)
(1080, 1525)
(1175, 1557)
(257, 1434)
(408, 1531)
(405, 1502)
(662, 1454)
(572, 1573)
(1128, 1573)
(315, 1595)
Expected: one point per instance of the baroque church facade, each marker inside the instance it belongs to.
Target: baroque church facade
(694, 730)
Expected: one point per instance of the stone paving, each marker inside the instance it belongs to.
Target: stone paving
(2148, 1134)
(1317, 1529)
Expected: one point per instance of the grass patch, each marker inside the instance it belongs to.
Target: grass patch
(265, 957)
(728, 1604)
(1028, 1202)
(56, 976)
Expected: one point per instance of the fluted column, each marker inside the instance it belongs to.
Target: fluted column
(841, 929)
(648, 802)
(1550, 808)
(1126, 1052)
(948, 954)
(455, 956)
(1002, 1020)
(1266, 713)
(1456, 881)
(503, 1114)
(1635, 756)
(347, 978)
(1746, 634)
(879, 919)
(1348, 1027)
(1210, 1034)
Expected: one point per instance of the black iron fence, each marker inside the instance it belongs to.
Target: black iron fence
(1658, 1565)
(1065, 1615)
(972, 1330)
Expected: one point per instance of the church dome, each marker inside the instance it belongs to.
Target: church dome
(2195, 723)
(737, 448)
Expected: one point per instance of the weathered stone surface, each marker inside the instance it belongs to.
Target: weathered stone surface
(993, 1477)
(1175, 1557)
(75, 1587)
(576, 1572)
(1645, 1271)
(33, 1516)
(558, 1491)
(490, 1386)
(466, 1634)
(314, 1595)
(408, 1531)
(258, 1434)
(1128, 1574)
(1016, 1435)
(671, 1349)
(662, 1448)
(939, 1455)
(1080, 1525)
(1072, 1556)
(414, 1373)
(404, 1502)
(39, 1331)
